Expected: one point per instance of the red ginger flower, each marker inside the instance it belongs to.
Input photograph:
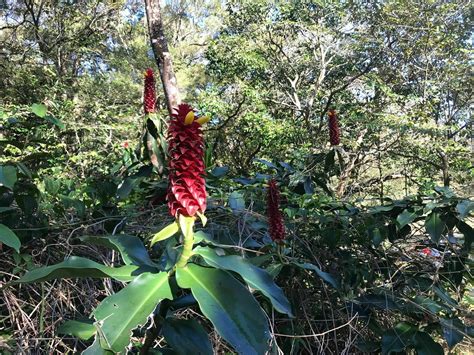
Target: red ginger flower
(333, 128)
(275, 219)
(186, 190)
(149, 95)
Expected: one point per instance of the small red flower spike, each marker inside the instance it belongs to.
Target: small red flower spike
(275, 219)
(186, 190)
(149, 95)
(126, 145)
(334, 133)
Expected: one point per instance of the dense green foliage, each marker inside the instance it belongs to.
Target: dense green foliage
(379, 229)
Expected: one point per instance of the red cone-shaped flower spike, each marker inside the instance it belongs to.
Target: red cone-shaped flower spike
(275, 219)
(186, 191)
(149, 95)
(333, 128)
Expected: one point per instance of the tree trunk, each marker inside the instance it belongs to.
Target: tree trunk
(162, 54)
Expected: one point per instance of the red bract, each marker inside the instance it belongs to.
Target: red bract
(186, 190)
(333, 128)
(149, 95)
(275, 219)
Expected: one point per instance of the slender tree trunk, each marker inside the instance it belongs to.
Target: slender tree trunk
(162, 54)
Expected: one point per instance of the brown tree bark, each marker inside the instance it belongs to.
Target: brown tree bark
(162, 54)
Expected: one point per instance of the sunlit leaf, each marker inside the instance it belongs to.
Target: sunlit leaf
(9, 238)
(76, 266)
(81, 329)
(435, 226)
(233, 311)
(255, 277)
(120, 313)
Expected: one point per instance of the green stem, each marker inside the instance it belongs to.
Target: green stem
(186, 224)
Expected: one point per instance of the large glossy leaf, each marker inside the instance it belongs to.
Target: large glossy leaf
(434, 226)
(233, 311)
(236, 201)
(9, 238)
(120, 313)
(8, 176)
(255, 277)
(406, 217)
(76, 266)
(464, 207)
(81, 329)
(452, 330)
(425, 345)
(398, 338)
(130, 247)
(186, 336)
(332, 280)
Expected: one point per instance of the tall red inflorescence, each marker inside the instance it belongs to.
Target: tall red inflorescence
(334, 133)
(186, 190)
(275, 219)
(149, 94)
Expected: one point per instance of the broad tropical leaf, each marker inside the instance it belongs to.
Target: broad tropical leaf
(8, 176)
(9, 238)
(398, 338)
(186, 336)
(425, 345)
(452, 331)
(81, 329)
(120, 313)
(406, 217)
(233, 311)
(76, 266)
(130, 247)
(255, 277)
(434, 226)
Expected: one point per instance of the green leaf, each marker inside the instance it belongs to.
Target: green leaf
(428, 304)
(39, 110)
(96, 348)
(236, 201)
(324, 275)
(452, 331)
(76, 266)
(120, 313)
(435, 226)
(9, 238)
(406, 217)
(464, 207)
(255, 277)
(8, 176)
(233, 311)
(219, 171)
(54, 121)
(130, 247)
(186, 336)
(6, 209)
(81, 329)
(468, 233)
(398, 338)
(165, 233)
(425, 345)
